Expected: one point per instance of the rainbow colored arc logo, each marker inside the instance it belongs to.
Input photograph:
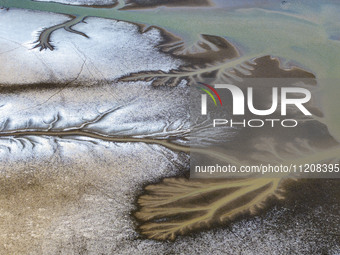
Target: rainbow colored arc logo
(209, 93)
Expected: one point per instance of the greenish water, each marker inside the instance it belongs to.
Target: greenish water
(308, 37)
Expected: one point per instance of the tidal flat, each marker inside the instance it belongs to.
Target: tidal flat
(96, 134)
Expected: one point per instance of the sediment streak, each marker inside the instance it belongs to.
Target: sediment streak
(164, 142)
